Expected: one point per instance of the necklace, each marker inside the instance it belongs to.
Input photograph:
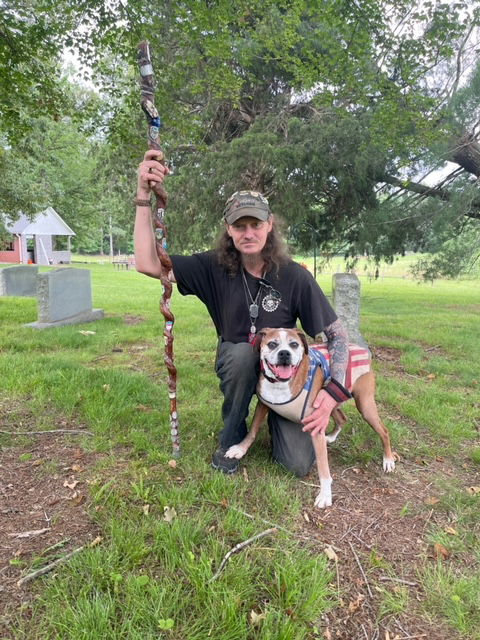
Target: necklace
(252, 306)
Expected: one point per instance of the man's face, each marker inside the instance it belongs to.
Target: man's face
(249, 234)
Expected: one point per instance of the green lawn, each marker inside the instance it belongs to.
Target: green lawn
(150, 578)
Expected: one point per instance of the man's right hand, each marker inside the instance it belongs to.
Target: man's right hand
(150, 170)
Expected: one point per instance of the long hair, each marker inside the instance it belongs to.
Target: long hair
(274, 253)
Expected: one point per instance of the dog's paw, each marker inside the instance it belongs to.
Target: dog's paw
(323, 500)
(389, 464)
(235, 451)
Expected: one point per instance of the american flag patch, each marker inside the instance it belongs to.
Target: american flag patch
(359, 361)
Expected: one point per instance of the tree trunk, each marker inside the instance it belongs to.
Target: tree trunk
(110, 235)
(467, 154)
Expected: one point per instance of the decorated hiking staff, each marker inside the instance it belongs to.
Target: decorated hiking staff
(147, 101)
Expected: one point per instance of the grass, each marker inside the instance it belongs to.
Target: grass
(150, 578)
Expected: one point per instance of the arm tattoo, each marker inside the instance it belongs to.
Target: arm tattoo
(337, 344)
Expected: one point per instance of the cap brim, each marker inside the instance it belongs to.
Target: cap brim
(246, 212)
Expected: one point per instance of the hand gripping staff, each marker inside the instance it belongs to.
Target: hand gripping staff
(147, 101)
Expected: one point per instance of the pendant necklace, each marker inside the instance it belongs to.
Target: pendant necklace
(252, 306)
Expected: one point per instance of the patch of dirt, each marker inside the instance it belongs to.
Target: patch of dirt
(132, 320)
(378, 528)
(44, 503)
(144, 358)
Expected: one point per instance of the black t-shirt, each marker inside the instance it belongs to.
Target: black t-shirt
(228, 302)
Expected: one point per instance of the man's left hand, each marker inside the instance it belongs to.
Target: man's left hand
(317, 421)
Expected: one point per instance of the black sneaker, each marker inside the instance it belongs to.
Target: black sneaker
(222, 463)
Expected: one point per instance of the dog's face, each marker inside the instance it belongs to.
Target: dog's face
(281, 352)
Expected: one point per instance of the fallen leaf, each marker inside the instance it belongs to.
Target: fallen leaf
(306, 517)
(224, 502)
(146, 509)
(142, 407)
(431, 376)
(106, 387)
(330, 553)
(172, 463)
(78, 499)
(421, 461)
(169, 514)
(87, 333)
(38, 462)
(431, 500)
(441, 551)
(245, 474)
(473, 491)
(451, 531)
(71, 485)
(96, 541)
(355, 604)
(77, 468)
(256, 618)
(327, 634)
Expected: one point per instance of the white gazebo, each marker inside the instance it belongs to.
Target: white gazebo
(33, 241)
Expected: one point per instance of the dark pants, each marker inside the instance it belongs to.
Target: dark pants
(237, 366)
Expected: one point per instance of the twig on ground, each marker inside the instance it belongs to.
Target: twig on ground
(42, 433)
(55, 563)
(349, 530)
(407, 582)
(238, 547)
(29, 534)
(309, 484)
(48, 567)
(369, 546)
(361, 569)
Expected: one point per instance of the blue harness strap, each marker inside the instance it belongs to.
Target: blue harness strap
(317, 359)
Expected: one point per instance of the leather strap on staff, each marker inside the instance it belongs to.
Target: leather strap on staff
(153, 119)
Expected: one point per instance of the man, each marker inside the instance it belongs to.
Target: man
(248, 283)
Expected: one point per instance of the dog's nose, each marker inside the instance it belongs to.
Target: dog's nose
(284, 357)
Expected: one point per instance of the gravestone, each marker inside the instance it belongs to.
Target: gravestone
(346, 302)
(18, 281)
(64, 297)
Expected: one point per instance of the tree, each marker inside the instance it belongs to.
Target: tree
(331, 108)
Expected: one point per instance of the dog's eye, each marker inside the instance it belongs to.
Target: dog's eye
(294, 345)
(272, 345)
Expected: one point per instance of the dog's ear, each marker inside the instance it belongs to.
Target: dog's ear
(258, 340)
(303, 338)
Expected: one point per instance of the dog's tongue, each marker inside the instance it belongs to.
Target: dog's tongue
(283, 371)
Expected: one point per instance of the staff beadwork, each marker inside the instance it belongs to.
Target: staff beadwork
(147, 101)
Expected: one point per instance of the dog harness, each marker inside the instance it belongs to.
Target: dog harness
(358, 364)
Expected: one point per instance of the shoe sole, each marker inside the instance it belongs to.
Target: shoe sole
(223, 470)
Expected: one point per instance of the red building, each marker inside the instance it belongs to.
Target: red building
(37, 241)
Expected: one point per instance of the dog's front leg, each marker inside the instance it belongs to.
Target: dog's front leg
(324, 498)
(240, 449)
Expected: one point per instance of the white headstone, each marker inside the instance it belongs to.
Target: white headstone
(64, 297)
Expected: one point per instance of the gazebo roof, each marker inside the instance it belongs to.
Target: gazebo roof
(45, 223)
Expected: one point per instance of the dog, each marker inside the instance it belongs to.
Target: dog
(291, 375)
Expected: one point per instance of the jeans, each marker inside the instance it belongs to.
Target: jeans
(237, 367)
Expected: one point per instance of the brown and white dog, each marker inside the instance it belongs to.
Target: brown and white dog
(284, 387)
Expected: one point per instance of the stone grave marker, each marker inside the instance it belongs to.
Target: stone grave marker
(64, 297)
(346, 302)
(18, 281)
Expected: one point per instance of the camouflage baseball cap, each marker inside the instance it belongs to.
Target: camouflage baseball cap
(246, 203)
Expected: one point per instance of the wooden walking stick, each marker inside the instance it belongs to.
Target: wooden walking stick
(147, 87)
